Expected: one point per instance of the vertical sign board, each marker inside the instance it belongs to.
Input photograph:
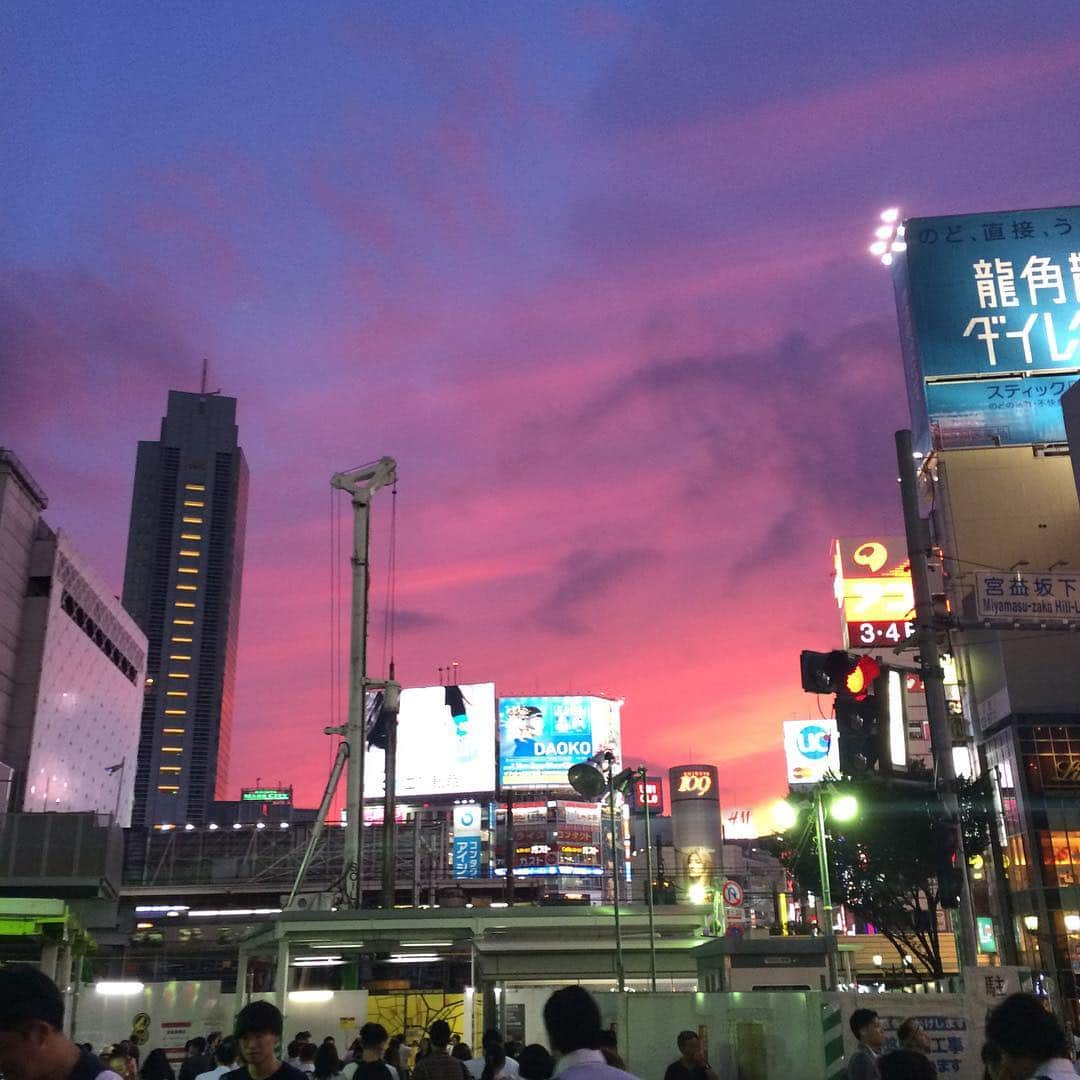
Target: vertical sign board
(874, 591)
(467, 841)
(989, 314)
(812, 749)
(649, 792)
(695, 821)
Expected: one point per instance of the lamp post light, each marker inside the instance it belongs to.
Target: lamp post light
(843, 808)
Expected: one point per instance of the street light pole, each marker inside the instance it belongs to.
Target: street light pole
(649, 875)
(609, 761)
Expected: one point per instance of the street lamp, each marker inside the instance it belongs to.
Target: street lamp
(843, 808)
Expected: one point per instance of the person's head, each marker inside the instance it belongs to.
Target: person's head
(572, 1020)
(197, 1046)
(1026, 1033)
(455, 1039)
(513, 1048)
(32, 1040)
(292, 1050)
(991, 1059)
(906, 1065)
(258, 1030)
(373, 1038)
(303, 1037)
(157, 1066)
(226, 1050)
(689, 1044)
(326, 1060)
(608, 1045)
(307, 1053)
(866, 1027)
(212, 1041)
(911, 1036)
(535, 1063)
(439, 1034)
(329, 1039)
(462, 1051)
(492, 1037)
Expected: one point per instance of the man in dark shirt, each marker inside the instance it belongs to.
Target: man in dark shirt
(197, 1060)
(691, 1064)
(439, 1065)
(258, 1027)
(33, 1045)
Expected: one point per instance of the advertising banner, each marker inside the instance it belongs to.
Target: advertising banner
(874, 591)
(695, 783)
(467, 841)
(649, 792)
(739, 824)
(1033, 598)
(541, 737)
(446, 743)
(989, 296)
(812, 749)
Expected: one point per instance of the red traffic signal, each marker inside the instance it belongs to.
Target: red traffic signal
(859, 681)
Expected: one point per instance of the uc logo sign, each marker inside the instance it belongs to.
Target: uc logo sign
(813, 742)
(694, 783)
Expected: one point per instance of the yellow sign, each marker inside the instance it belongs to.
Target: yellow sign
(873, 590)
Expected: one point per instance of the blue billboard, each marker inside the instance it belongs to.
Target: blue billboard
(541, 737)
(995, 297)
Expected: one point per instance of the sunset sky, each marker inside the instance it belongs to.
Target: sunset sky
(595, 275)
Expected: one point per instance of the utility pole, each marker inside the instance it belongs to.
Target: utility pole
(933, 677)
(826, 889)
(609, 761)
(649, 876)
(361, 484)
(389, 851)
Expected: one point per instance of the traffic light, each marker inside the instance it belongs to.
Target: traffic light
(857, 727)
(824, 673)
(945, 838)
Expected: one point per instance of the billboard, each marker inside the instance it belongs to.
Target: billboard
(873, 590)
(467, 841)
(266, 794)
(445, 743)
(649, 793)
(990, 296)
(739, 823)
(693, 783)
(811, 749)
(541, 737)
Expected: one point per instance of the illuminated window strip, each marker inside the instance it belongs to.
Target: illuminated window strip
(172, 731)
(183, 603)
(188, 554)
(168, 787)
(191, 536)
(178, 656)
(177, 640)
(176, 712)
(176, 693)
(179, 675)
(194, 487)
(184, 622)
(188, 588)
(170, 768)
(191, 520)
(172, 749)
(187, 569)
(194, 502)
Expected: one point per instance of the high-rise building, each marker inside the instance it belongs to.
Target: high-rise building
(185, 558)
(72, 666)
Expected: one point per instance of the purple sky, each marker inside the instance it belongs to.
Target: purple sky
(596, 275)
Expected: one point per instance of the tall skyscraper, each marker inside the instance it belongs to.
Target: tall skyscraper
(185, 559)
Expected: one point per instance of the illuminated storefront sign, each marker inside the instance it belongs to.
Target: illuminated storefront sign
(693, 782)
(649, 792)
(873, 590)
(990, 297)
(739, 824)
(541, 737)
(446, 743)
(987, 938)
(266, 795)
(467, 841)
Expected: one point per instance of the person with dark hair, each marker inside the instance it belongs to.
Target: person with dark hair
(536, 1063)
(572, 1019)
(212, 1041)
(225, 1053)
(326, 1064)
(196, 1060)
(438, 1064)
(292, 1054)
(608, 1045)
(157, 1066)
(258, 1032)
(462, 1052)
(1031, 1040)
(33, 1045)
(306, 1056)
(691, 1064)
(491, 1044)
(906, 1065)
(371, 1054)
(866, 1027)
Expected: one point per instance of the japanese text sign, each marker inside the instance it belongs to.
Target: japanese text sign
(1051, 596)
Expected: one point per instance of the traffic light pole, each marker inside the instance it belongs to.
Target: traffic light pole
(826, 890)
(933, 677)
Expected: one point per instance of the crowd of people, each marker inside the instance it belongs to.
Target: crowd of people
(1024, 1041)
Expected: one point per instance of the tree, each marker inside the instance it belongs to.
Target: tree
(881, 864)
